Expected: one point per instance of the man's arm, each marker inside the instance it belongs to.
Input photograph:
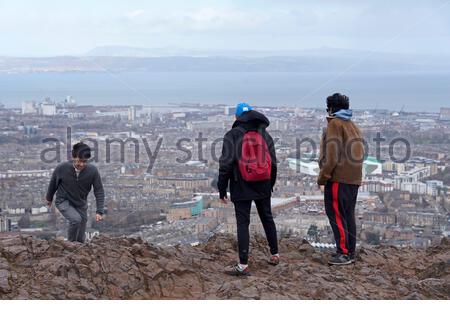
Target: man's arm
(332, 148)
(226, 161)
(99, 193)
(273, 158)
(52, 187)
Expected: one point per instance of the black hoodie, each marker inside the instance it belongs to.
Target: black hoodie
(231, 150)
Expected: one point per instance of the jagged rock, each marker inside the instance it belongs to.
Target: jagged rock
(5, 287)
(249, 293)
(128, 268)
(436, 270)
(414, 296)
(316, 257)
(12, 252)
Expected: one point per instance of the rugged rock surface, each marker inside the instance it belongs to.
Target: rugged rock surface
(125, 268)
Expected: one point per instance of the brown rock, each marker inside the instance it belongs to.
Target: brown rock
(5, 287)
(123, 268)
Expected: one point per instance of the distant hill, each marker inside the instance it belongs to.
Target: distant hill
(125, 51)
(118, 59)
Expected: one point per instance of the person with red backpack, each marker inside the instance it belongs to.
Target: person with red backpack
(248, 164)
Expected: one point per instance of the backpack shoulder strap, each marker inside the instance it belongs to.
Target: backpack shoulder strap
(239, 128)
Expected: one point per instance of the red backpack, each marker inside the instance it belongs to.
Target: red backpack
(255, 163)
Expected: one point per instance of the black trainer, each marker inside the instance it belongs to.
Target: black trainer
(339, 259)
(352, 257)
(236, 271)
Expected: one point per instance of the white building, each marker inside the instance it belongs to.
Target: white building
(411, 176)
(281, 125)
(39, 210)
(199, 125)
(444, 114)
(310, 168)
(370, 166)
(397, 167)
(376, 186)
(15, 211)
(24, 173)
(29, 107)
(433, 186)
(5, 224)
(414, 187)
(48, 109)
(70, 101)
(132, 113)
(426, 124)
(229, 110)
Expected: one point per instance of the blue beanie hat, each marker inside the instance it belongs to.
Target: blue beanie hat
(241, 108)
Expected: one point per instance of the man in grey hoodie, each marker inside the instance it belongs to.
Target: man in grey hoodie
(72, 181)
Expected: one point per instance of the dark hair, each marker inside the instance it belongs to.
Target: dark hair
(81, 150)
(337, 102)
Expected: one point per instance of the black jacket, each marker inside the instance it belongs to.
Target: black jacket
(231, 151)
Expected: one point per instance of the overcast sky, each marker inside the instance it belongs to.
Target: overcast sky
(45, 27)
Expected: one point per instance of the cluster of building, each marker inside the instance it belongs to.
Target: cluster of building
(159, 167)
(48, 107)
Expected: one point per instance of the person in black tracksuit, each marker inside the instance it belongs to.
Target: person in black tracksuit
(341, 162)
(340, 200)
(242, 192)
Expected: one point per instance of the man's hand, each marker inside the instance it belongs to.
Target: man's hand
(224, 200)
(47, 203)
(98, 217)
(321, 187)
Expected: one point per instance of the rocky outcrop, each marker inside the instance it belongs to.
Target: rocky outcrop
(126, 268)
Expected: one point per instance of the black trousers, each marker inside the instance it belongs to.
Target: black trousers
(264, 208)
(340, 201)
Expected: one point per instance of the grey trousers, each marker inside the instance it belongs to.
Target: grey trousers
(77, 218)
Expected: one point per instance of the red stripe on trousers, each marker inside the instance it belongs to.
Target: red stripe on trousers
(335, 190)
